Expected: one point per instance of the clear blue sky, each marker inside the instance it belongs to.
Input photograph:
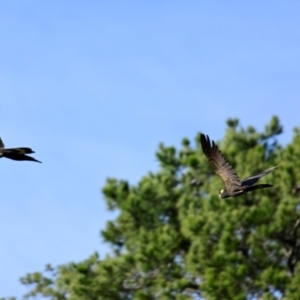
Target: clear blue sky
(94, 86)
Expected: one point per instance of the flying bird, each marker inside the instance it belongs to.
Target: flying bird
(233, 185)
(16, 153)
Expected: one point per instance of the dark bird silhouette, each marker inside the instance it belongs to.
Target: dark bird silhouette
(233, 185)
(16, 153)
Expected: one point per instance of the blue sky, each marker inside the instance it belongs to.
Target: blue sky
(94, 86)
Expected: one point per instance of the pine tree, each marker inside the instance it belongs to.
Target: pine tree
(175, 239)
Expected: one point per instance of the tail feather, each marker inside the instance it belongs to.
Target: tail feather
(20, 150)
(257, 187)
(253, 179)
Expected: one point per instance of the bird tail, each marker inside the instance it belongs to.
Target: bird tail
(20, 150)
(257, 187)
(253, 179)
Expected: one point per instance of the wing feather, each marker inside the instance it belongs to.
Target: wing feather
(219, 164)
(1, 144)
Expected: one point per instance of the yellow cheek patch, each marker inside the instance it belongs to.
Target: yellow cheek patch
(222, 191)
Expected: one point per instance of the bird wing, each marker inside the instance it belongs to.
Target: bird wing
(19, 157)
(253, 179)
(1, 144)
(218, 162)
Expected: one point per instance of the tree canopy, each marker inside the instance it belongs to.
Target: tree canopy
(175, 239)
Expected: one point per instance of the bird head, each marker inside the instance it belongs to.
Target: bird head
(223, 194)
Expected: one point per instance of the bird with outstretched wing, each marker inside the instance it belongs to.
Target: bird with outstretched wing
(16, 153)
(233, 185)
